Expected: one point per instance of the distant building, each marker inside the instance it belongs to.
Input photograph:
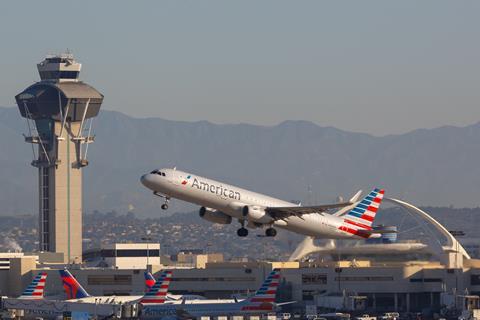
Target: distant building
(124, 256)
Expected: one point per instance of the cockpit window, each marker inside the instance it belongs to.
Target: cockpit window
(158, 172)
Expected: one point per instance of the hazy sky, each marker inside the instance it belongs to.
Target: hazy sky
(371, 66)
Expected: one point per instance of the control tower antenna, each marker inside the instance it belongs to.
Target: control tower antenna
(59, 111)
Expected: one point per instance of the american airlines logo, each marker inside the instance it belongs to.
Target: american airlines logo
(218, 190)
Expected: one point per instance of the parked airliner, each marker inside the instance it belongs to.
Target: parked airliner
(76, 293)
(263, 301)
(221, 203)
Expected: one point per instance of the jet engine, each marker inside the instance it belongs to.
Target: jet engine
(256, 214)
(214, 216)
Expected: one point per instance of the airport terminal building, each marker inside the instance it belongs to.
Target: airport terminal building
(362, 285)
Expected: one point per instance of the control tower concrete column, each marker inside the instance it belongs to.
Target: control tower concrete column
(59, 111)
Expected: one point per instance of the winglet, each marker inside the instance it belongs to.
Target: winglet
(356, 196)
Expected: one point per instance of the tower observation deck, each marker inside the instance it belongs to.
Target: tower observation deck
(59, 111)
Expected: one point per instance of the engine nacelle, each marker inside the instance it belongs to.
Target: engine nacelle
(214, 216)
(256, 214)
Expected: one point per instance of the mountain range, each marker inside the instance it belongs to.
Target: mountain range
(294, 160)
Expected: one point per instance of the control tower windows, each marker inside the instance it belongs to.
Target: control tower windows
(59, 74)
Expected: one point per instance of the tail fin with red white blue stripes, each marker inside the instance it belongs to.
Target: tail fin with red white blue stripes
(264, 298)
(158, 292)
(36, 288)
(359, 220)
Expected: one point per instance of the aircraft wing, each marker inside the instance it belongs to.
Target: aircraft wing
(285, 212)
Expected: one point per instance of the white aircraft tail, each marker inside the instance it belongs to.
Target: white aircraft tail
(158, 292)
(264, 298)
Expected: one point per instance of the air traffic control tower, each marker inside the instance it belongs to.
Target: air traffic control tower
(59, 111)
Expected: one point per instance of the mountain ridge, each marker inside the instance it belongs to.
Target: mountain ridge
(293, 160)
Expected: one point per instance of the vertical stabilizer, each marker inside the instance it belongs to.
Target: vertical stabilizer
(36, 289)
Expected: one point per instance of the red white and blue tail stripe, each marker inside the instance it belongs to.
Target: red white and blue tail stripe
(36, 289)
(158, 292)
(264, 298)
(362, 216)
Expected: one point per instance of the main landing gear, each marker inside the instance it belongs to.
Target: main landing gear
(270, 232)
(242, 232)
(167, 199)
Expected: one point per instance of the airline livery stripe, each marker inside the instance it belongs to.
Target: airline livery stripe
(357, 219)
(353, 231)
(355, 214)
(361, 225)
(358, 210)
(153, 301)
(369, 218)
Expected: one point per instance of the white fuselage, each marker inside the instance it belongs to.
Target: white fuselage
(198, 309)
(231, 201)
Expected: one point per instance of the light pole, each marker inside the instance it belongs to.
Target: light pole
(147, 238)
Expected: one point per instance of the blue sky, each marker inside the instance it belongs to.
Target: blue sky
(370, 66)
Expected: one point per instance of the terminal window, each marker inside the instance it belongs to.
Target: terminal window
(426, 280)
(371, 278)
(112, 279)
(221, 279)
(314, 279)
(475, 279)
(307, 295)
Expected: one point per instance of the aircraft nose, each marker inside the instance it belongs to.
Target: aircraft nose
(147, 180)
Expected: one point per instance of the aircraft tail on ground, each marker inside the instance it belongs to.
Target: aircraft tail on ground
(73, 289)
(36, 288)
(149, 280)
(158, 292)
(264, 298)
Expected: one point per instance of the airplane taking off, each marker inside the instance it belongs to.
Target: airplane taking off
(221, 203)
